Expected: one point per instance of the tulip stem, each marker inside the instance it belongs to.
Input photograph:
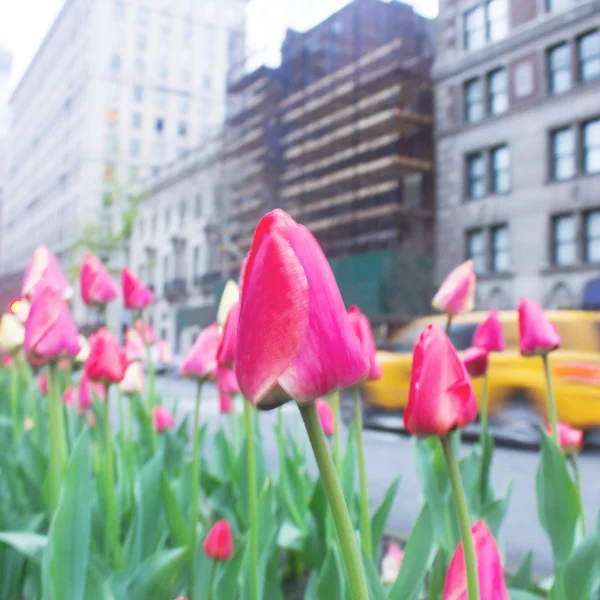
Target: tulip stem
(335, 496)
(365, 521)
(58, 450)
(484, 406)
(552, 412)
(211, 585)
(462, 515)
(112, 529)
(121, 419)
(575, 468)
(448, 323)
(14, 408)
(195, 482)
(252, 500)
(335, 405)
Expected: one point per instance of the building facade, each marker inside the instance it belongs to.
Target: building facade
(5, 65)
(517, 84)
(116, 89)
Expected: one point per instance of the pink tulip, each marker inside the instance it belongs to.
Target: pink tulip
(569, 438)
(294, 339)
(42, 381)
(135, 294)
(489, 334)
(457, 292)
(224, 403)
(70, 396)
(218, 544)
(107, 362)
(227, 381)
(226, 352)
(97, 286)
(50, 332)
(134, 345)
(490, 575)
(163, 419)
(476, 361)
(440, 396)
(7, 361)
(165, 354)
(146, 332)
(133, 382)
(201, 360)
(362, 329)
(537, 334)
(391, 563)
(87, 390)
(326, 416)
(42, 272)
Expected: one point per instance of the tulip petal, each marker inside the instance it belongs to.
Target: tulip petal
(273, 313)
(330, 356)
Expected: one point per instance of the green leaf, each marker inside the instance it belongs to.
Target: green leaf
(96, 586)
(376, 589)
(521, 595)
(330, 585)
(222, 456)
(70, 531)
(523, 578)
(30, 545)
(349, 472)
(495, 512)
(380, 517)
(557, 501)
(581, 572)
(178, 527)
(487, 455)
(228, 576)
(437, 576)
(157, 577)
(410, 580)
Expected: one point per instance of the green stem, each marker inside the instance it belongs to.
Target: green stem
(552, 412)
(331, 483)
(252, 500)
(448, 323)
(211, 584)
(462, 515)
(195, 482)
(335, 405)
(131, 402)
(484, 405)
(573, 462)
(121, 419)
(365, 521)
(111, 508)
(14, 408)
(233, 424)
(58, 453)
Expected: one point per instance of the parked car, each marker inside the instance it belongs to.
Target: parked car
(517, 387)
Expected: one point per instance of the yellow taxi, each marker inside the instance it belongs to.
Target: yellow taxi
(517, 386)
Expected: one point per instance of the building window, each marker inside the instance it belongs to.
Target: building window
(592, 237)
(111, 117)
(154, 223)
(163, 71)
(109, 171)
(134, 148)
(160, 125)
(474, 28)
(559, 68)
(207, 82)
(182, 210)
(166, 268)
(591, 147)
(476, 249)
(113, 92)
(136, 120)
(498, 92)
(500, 249)
(473, 100)
(161, 99)
(196, 260)
(501, 170)
(141, 226)
(115, 64)
(138, 94)
(119, 10)
(564, 240)
(167, 218)
(140, 67)
(186, 75)
(111, 144)
(563, 154)
(159, 152)
(184, 104)
(496, 19)
(133, 173)
(588, 51)
(182, 129)
(140, 42)
(198, 206)
(475, 176)
(142, 15)
(187, 29)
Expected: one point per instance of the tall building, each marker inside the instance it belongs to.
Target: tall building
(116, 89)
(517, 84)
(5, 64)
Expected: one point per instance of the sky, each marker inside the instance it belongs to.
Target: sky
(24, 23)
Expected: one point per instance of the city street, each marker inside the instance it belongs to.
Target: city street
(390, 454)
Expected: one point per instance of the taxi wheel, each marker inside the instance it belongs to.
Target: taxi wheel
(518, 421)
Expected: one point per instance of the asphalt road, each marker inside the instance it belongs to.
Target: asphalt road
(391, 454)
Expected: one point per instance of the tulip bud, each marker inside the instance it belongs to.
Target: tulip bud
(12, 333)
(134, 345)
(440, 396)
(91, 418)
(163, 419)
(227, 381)
(362, 329)
(28, 424)
(229, 297)
(165, 354)
(489, 334)
(43, 272)
(201, 361)
(224, 403)
(84, 350)
(457, 292)
(569, 438)
(475, 361)
(226, 352)
(107, 362)
(146, 332)
(391, 563)
(133, 382)
(294, 339)
(69, 396)
(7, 361)
(136, 295)
(537, 334)
(490, 574)
(218, 544)
(87, 389)
(42, 381)
(97, 286)
(326, 416)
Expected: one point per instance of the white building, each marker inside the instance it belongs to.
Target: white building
(5, 63)
(116, 89)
